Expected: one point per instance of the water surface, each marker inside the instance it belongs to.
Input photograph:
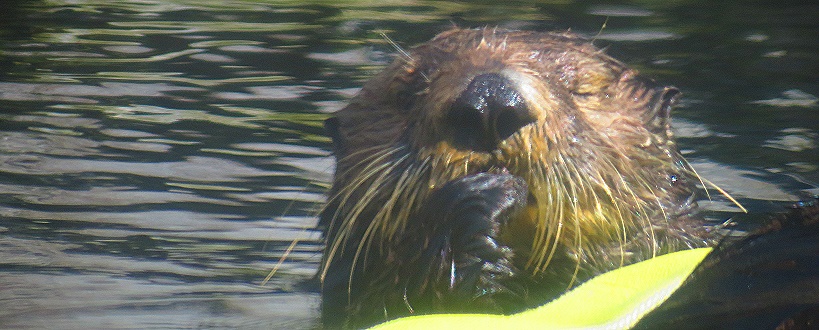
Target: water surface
(157, 158)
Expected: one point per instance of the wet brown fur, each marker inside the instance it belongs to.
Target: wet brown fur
(607, 184)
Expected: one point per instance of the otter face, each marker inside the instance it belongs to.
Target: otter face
(590, 138)
(605, 184)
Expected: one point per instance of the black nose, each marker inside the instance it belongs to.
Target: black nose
(488, 111)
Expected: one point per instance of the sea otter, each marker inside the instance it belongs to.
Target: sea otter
(490, 170)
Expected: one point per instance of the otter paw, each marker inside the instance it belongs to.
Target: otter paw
(462, 219)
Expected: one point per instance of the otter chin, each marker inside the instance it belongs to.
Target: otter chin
(490, 171)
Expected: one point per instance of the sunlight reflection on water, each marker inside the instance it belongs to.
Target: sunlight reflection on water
(158, 157)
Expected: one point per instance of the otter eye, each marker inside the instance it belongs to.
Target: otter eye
(408, 88)
(587, 89)
(589, 82)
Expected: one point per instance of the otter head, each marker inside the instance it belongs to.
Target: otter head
(591, 139)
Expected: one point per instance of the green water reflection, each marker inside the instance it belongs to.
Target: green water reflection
(157, 158)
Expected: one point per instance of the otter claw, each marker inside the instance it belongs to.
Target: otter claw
(463, 219)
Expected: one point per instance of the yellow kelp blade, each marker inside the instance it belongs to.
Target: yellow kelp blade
(614, 300)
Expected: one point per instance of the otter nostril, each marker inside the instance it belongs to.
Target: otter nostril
(466, 123)
(488, 111)
(511, 119)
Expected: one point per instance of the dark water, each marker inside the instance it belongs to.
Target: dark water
(157, 158)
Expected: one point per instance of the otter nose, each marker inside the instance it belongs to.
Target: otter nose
(488, 111)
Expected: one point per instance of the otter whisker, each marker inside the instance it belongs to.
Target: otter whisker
(626, 186)
(346, 223)
(369, 163)
(699, 178)
(639, 204)
(622, 237)
(395, 46)
(544, 195)
(385, 209)
(366, 239)
(578, 237)
(547, 111)
(551, 223)
(387, 175)
(726, 194)
(602, 214)
(411, 196)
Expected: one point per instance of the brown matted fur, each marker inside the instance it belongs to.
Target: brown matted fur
(607, 185)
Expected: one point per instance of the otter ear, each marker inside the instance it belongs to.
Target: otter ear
(331, 126)
(658, 118)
